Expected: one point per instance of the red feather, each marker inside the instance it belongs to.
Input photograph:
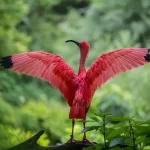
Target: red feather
(109, 65)
(49, 67)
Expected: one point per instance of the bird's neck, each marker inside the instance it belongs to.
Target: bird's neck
(82, 68)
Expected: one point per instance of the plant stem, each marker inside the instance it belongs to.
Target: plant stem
(104, 129)
(132, 133)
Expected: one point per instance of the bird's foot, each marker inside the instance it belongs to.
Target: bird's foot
(71, 140)
(85, 140)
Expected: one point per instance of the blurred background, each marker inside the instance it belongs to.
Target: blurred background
(28, 105)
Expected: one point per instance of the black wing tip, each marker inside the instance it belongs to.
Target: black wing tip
(6, 62)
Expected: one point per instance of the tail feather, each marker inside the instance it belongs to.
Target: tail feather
(77, 112)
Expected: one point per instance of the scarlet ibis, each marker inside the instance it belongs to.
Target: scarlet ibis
(78, 90)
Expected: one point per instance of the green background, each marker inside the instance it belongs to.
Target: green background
(28, 104)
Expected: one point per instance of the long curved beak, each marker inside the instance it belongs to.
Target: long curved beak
(77, 43)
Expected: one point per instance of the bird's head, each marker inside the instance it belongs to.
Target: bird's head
(84, 46)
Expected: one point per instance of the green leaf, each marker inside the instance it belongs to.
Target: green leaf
(118, 118)
(143, 131)
(116, 133)
(117, 141)
(144, 140)
(90, 128)
(120, 124)
(102, 114)
(95, 119)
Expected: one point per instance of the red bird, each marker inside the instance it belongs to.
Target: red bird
(78, 90)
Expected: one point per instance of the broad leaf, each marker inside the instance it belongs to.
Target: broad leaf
(116, 133)
(96, 119)
(90, 128)
(117, 141)
(118, 118)
(102, 114)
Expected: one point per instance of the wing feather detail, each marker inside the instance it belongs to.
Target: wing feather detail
(47, 66)
(110, 64)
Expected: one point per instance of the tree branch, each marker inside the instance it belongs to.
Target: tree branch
(31, 144)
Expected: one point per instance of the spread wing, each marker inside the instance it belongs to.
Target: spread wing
(110, 64)
(46, 66)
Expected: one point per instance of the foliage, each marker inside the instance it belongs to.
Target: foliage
(10, 136)
(119, 132)
(26, 120)
(12, 40)
(119, 101)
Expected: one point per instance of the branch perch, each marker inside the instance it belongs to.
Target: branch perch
(31, 144)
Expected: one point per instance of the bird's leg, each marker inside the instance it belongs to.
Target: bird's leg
(85, 140)
(84, 136)
(71, 140)
(72, 134)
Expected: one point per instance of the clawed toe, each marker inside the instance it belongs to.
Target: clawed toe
(85, 140)
(71, 140)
